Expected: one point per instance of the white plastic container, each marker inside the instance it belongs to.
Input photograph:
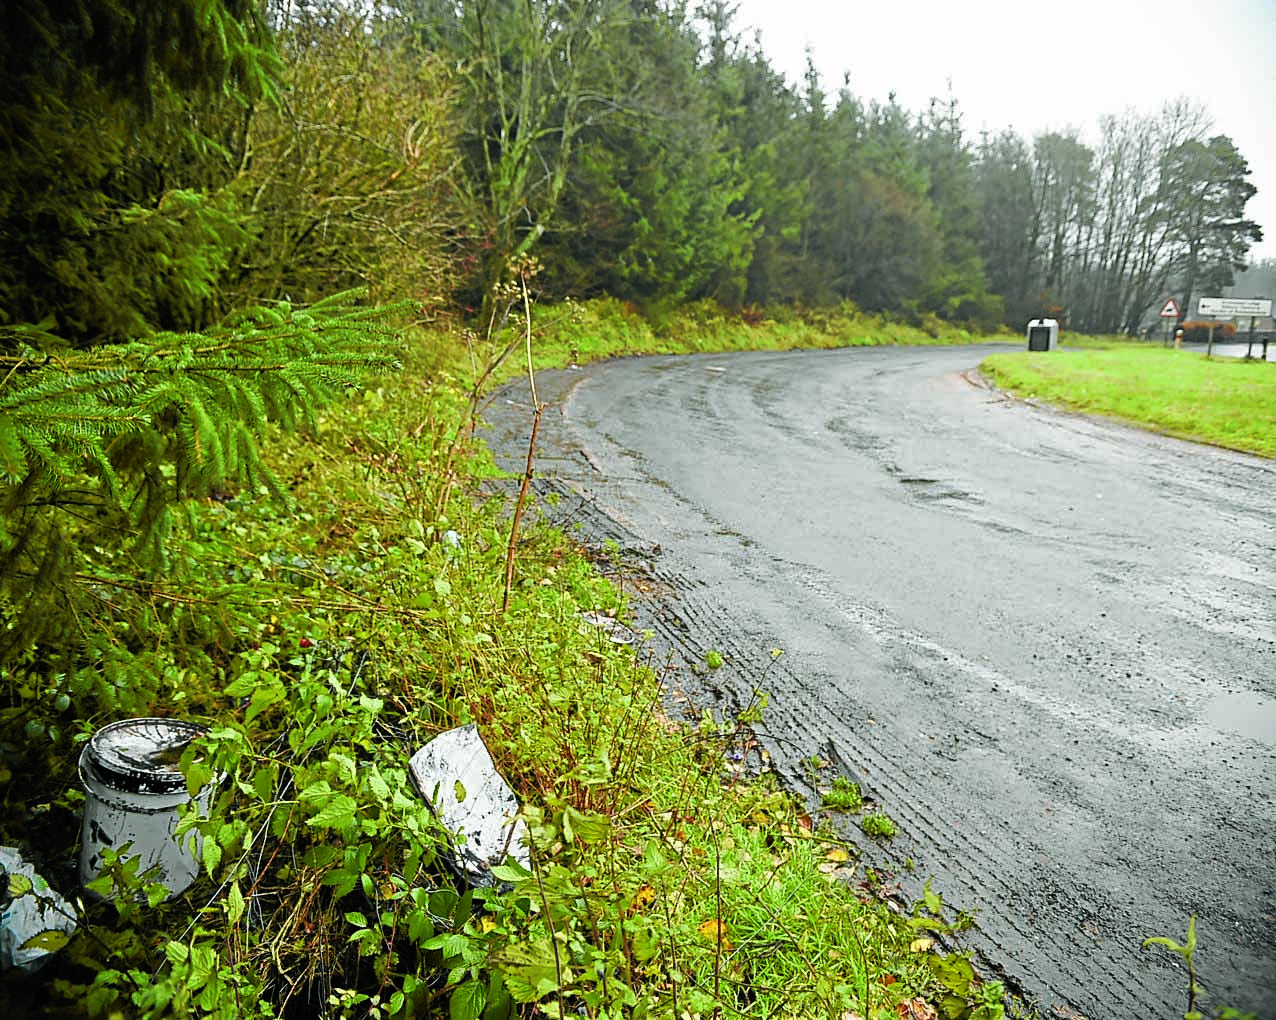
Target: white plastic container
(1043, 335)
(135, 788)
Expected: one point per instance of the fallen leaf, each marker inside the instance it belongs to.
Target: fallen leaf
(837, 854)
(644, 897)
(921, 945)
(715, 930)
(917, 1009)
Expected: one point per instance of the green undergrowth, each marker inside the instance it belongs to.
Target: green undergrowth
(1229, 402)
(588, 331)
(319, 642)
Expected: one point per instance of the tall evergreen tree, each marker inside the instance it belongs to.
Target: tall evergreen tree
(959, 289)
(116, 125)
(648, 215)
(1008, 224)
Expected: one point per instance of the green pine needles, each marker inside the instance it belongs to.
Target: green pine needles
(97, 447)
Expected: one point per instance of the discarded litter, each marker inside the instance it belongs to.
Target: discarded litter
(456, 775)
(617, 632)
(35, 921)
(135, 790)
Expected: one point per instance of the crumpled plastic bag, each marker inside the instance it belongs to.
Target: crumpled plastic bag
(35, 921)
(456, 775)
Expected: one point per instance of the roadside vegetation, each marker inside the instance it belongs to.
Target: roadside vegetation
(261, 264)
(321, 636)
(1224, 401)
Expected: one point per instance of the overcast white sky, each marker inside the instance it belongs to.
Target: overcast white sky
(1043, 66)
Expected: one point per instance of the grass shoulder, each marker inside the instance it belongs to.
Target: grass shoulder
(578, 333)
(1227, 402)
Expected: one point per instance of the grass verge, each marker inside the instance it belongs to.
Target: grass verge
(1228, 402)
(607, 328)
(319, 644)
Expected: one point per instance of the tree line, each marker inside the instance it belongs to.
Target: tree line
(162, 164)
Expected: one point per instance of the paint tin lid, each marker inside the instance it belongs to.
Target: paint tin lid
(141, 755)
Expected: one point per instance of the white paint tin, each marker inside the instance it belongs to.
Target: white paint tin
(135, 790)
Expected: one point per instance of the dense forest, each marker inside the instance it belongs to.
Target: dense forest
(642, 149)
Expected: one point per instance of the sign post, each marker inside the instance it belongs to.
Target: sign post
(1231, 308)
(1235, 308)
(1169, 312)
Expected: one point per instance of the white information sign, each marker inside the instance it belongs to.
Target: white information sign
(1227, 307)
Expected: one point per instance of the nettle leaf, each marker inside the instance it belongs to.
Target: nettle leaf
(467, 1001)
(264, 781)
(512, 872)
(19, 885)
(49, 941)
(450, 945)
(954, 972)
(529, 970)
(212, 856)
(377, 785)
(345, 766)
(203, 961)
(588, 828)
(234, 904)
(317, 791)
(264, 697)
(338, 813)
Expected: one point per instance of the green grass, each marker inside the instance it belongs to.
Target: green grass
(844, 795)
(878, 825)
(606, 328)
(1226, 402)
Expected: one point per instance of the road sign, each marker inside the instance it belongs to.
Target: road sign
(1170, 310)
(1228, 307)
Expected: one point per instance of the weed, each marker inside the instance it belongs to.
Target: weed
(1187, 951)
(843, 796)
(713, 659)
(879, 826)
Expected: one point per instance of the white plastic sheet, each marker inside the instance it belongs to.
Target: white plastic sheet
(456, 775)
(36, 922)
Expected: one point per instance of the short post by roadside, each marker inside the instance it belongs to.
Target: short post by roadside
(1169, 313)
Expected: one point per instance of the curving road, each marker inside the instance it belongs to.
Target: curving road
(1045, 644)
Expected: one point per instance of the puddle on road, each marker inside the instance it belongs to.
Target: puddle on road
(1245, 713)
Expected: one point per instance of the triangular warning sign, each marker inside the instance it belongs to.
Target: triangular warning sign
(1171, 309)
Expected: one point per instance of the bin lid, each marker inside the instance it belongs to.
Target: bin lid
(141, 755)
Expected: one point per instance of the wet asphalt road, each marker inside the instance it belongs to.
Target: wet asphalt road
(1045, 644)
